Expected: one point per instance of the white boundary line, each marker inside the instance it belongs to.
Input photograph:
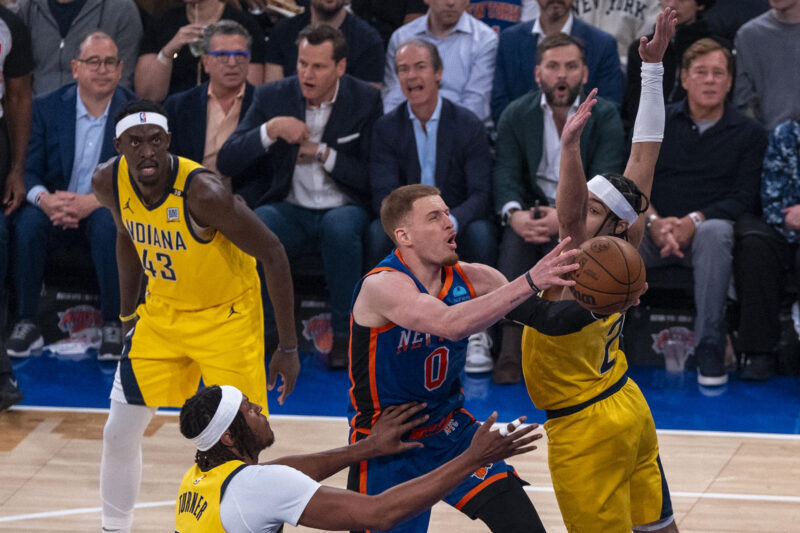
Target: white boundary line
(548, 489)
(687, 432)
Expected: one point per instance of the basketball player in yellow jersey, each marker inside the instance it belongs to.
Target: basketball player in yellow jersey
(603, 450)
(197, 243)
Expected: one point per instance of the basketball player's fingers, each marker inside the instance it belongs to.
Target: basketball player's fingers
(520, 451)
(490, 421)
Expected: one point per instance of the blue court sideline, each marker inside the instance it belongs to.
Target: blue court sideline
(675, 399)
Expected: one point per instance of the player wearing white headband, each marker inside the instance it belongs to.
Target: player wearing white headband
(603, 450)
(197, 243)
(227, 490)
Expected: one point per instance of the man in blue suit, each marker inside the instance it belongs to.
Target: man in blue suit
(212, 111)
(312, 132)
(516, 55)
(70, 134)
(430, 140)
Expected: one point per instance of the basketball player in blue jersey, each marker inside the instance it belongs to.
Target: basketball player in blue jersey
(602, 444)
(197, 243)
(410, 320)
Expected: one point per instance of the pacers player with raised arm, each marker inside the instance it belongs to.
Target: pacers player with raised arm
(602, 445)
(409, 324)
(179, 224)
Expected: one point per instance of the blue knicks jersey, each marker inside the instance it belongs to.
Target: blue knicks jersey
(391, 365)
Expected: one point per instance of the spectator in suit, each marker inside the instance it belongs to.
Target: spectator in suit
(217, 106)
(170, 56)
(527, 164)
(706, 177)
(60, 27)
(388, 16)
(765, 254)
(691, 27)
(312, 133)
(430, 140)
(467, 46)
(516, 55)
(70, 134)
(364, 44)
(767, 55)
(16, 65)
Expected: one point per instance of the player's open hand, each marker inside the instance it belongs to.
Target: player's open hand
(571, 134)
(490, 446)
(394, 422)
(652, 51)
(550, 269)
(287, 364)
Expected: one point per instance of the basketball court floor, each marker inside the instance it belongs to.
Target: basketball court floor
(732, 456)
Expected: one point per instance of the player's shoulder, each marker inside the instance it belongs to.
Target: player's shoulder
(483, 278)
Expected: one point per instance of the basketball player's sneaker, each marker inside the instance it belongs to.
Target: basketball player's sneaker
(479, 353)
(111, 345)
(24, 338)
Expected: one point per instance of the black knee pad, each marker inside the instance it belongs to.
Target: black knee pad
(506, 509)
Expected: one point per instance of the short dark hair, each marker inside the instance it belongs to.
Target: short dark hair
(137, 106)
(705, 46)
(197, 413)
(225, 27)
(396, 206)
(94, 34)
(436, 59)
(557, 41)
(317, 34)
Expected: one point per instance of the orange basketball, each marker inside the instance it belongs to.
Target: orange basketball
(611, 275)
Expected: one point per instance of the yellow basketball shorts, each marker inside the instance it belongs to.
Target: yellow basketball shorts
(170, 350)
(605, 466)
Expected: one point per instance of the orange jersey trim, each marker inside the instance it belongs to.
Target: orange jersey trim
(458, 268)
(471, 494)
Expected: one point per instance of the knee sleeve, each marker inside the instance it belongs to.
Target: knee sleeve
(510, 511)
(121, 465)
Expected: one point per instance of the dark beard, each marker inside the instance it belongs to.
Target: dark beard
(571, 95)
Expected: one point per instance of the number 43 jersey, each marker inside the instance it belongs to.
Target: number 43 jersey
(189, 267)
(392, 365)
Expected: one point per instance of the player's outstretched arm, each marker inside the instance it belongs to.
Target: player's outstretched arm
(648, 129)
(213, 205)
(393, 297)
(129, 267)
(337, 509)
(384, 439)
(571, 194)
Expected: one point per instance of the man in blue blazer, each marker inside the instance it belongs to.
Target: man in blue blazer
(312, 132)
(516, 55)
(72, 131)
(207, 114)
(429, 139)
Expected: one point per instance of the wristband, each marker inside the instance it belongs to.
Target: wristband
(286, 350)
(128, 318)
(696, 218)
(528, 278)
(164, 59)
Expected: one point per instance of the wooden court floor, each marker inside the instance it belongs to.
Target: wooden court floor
(49, 464)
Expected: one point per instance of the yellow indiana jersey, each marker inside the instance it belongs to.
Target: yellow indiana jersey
(190, 267)
(199, 497)
(569, 355)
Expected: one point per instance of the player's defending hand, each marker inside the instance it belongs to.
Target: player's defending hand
(394, 422)
(653, 51)
(491, 446)
(571, 134)
(550, 269)
(287, 364)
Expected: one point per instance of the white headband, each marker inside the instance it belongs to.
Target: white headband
(142, 117)
(221, 421)
(614, 200)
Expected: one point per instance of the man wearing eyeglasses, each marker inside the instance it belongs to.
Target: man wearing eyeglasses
(216, 107)
(70, 134)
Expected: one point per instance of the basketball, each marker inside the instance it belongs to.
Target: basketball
(611, 275)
